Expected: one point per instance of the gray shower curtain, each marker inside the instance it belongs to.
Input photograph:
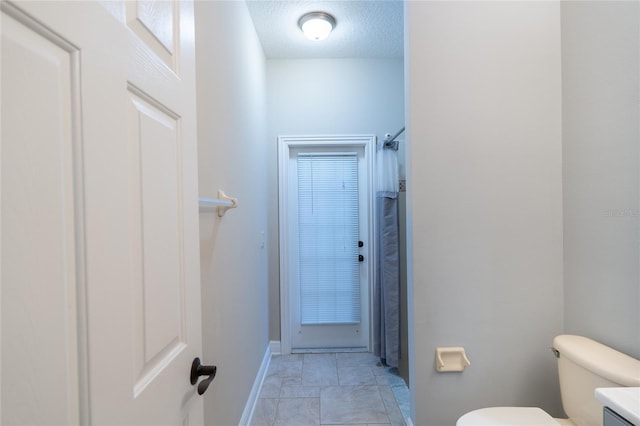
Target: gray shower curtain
(386, 289)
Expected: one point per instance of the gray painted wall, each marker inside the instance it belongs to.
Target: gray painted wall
(600, 75)
(232, 145)
(485, 203)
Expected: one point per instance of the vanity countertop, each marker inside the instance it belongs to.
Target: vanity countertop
(624, 401)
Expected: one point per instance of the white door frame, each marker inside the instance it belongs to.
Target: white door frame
(285, 144)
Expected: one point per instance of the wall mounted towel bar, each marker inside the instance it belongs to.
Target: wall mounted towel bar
(222, 203)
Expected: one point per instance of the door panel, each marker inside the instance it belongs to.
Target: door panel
(39, 269)
(135, 178)
(157, 24)
(159, 306)
(312, 331)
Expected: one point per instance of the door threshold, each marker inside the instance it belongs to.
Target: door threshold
(327, 350)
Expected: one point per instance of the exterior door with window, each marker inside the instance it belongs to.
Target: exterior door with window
(326, 241)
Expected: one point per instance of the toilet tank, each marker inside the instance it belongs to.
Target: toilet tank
(583, 366)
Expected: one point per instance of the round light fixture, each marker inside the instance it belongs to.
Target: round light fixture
(317, 25)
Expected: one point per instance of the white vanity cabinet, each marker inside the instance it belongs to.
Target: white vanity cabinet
(611, 418)
(621, 406)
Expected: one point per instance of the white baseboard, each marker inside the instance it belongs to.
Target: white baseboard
(250, 406)
(276, 348)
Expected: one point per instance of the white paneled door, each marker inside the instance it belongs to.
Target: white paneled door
(100, 286)
(325, 217)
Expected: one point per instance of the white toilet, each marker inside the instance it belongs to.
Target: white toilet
(583, 366)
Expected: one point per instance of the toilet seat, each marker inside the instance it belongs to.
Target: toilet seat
(508, 416)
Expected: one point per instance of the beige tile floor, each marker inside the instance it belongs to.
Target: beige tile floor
(329, 389)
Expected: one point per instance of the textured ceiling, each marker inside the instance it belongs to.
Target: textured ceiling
(364, 29)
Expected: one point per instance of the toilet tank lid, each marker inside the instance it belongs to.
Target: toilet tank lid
(600, 359)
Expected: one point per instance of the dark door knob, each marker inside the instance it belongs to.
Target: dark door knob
(197, 370)
(360, 244)
(360, 258)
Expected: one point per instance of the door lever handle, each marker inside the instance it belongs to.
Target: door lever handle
(197, 370)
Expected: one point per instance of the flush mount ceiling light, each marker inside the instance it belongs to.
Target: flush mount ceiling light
(317, 25)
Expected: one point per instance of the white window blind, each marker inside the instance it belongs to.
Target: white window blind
(328, 237)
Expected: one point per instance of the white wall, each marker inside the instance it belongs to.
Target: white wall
(232, 156)
(600, 77)
(485, 194)
(325, 96)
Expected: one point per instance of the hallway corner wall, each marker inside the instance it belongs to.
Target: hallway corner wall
(231, 96)
(485, 203)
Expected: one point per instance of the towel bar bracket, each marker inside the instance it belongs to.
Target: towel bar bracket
(222, 203)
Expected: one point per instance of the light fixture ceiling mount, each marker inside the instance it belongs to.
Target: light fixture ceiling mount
(317, 25)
